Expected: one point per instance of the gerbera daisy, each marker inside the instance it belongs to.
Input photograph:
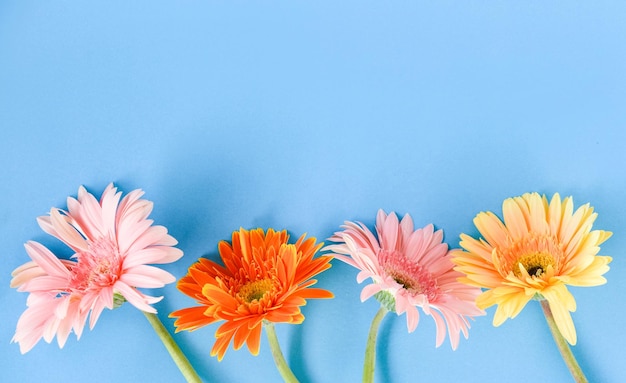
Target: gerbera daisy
(413, 267)
(264, 280)
(537, 251)
(113, 243)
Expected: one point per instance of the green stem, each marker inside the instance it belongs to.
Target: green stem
(566, 351)
(370, 350)
(172, 347)
(279, 359)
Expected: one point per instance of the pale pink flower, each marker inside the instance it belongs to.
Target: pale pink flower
(414, 267)
(113, 243)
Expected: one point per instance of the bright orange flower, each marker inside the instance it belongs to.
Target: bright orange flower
(537, 251)
(264, 279)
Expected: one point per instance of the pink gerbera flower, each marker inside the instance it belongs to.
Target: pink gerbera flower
(411, 267)
(113, 243)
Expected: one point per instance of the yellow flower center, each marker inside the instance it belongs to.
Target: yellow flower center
(535, 264)
(534, 252)
(255, 290)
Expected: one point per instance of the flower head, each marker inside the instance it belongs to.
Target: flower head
(263, 279)
(537, 251)
(414, 267)
(113, 243)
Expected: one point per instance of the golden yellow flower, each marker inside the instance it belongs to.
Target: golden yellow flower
(537, 251)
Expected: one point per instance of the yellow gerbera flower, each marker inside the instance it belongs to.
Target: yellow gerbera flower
(539, 249)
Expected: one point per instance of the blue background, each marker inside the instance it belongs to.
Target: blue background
(301, 115)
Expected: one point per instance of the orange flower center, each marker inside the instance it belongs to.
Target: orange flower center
(255, 290)
(99, 266)
(534, 253)
(412, 276)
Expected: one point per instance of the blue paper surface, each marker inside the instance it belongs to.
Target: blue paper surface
(299, 116)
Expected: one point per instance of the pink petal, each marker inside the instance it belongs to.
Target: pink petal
(136, 236)
(109, 202)
(167, 240)
(134, 297)
(415, 247)
(388, 231)
(369, 290)
(104, 299)
(133, 209)
(361, 235)
(342, 258)
(412, 318)
(152, 255)
(363, 275)
(31, 324)
(46, 284)
(406, 226)
(25, 273)
(79, 320)
(66, 232)
(147, 277)
(46, 225)
(65, 325)
(46, 260)
(440, 326)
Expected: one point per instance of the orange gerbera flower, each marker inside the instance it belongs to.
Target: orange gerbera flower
(264, 279)
(539, 249)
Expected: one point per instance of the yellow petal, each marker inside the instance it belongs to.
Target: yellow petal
(592, 275)
(510, 301)
(561, 304)
(514, 218)
(538, 219)
(491, 228)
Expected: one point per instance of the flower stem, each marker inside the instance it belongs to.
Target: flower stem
(279, 359)
(566, 352)
(172, 347)
(370, 350)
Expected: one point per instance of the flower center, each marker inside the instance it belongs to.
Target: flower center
(255, 290)
(99, 266)
(412, 276)
(535, 253)
(535, 264)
